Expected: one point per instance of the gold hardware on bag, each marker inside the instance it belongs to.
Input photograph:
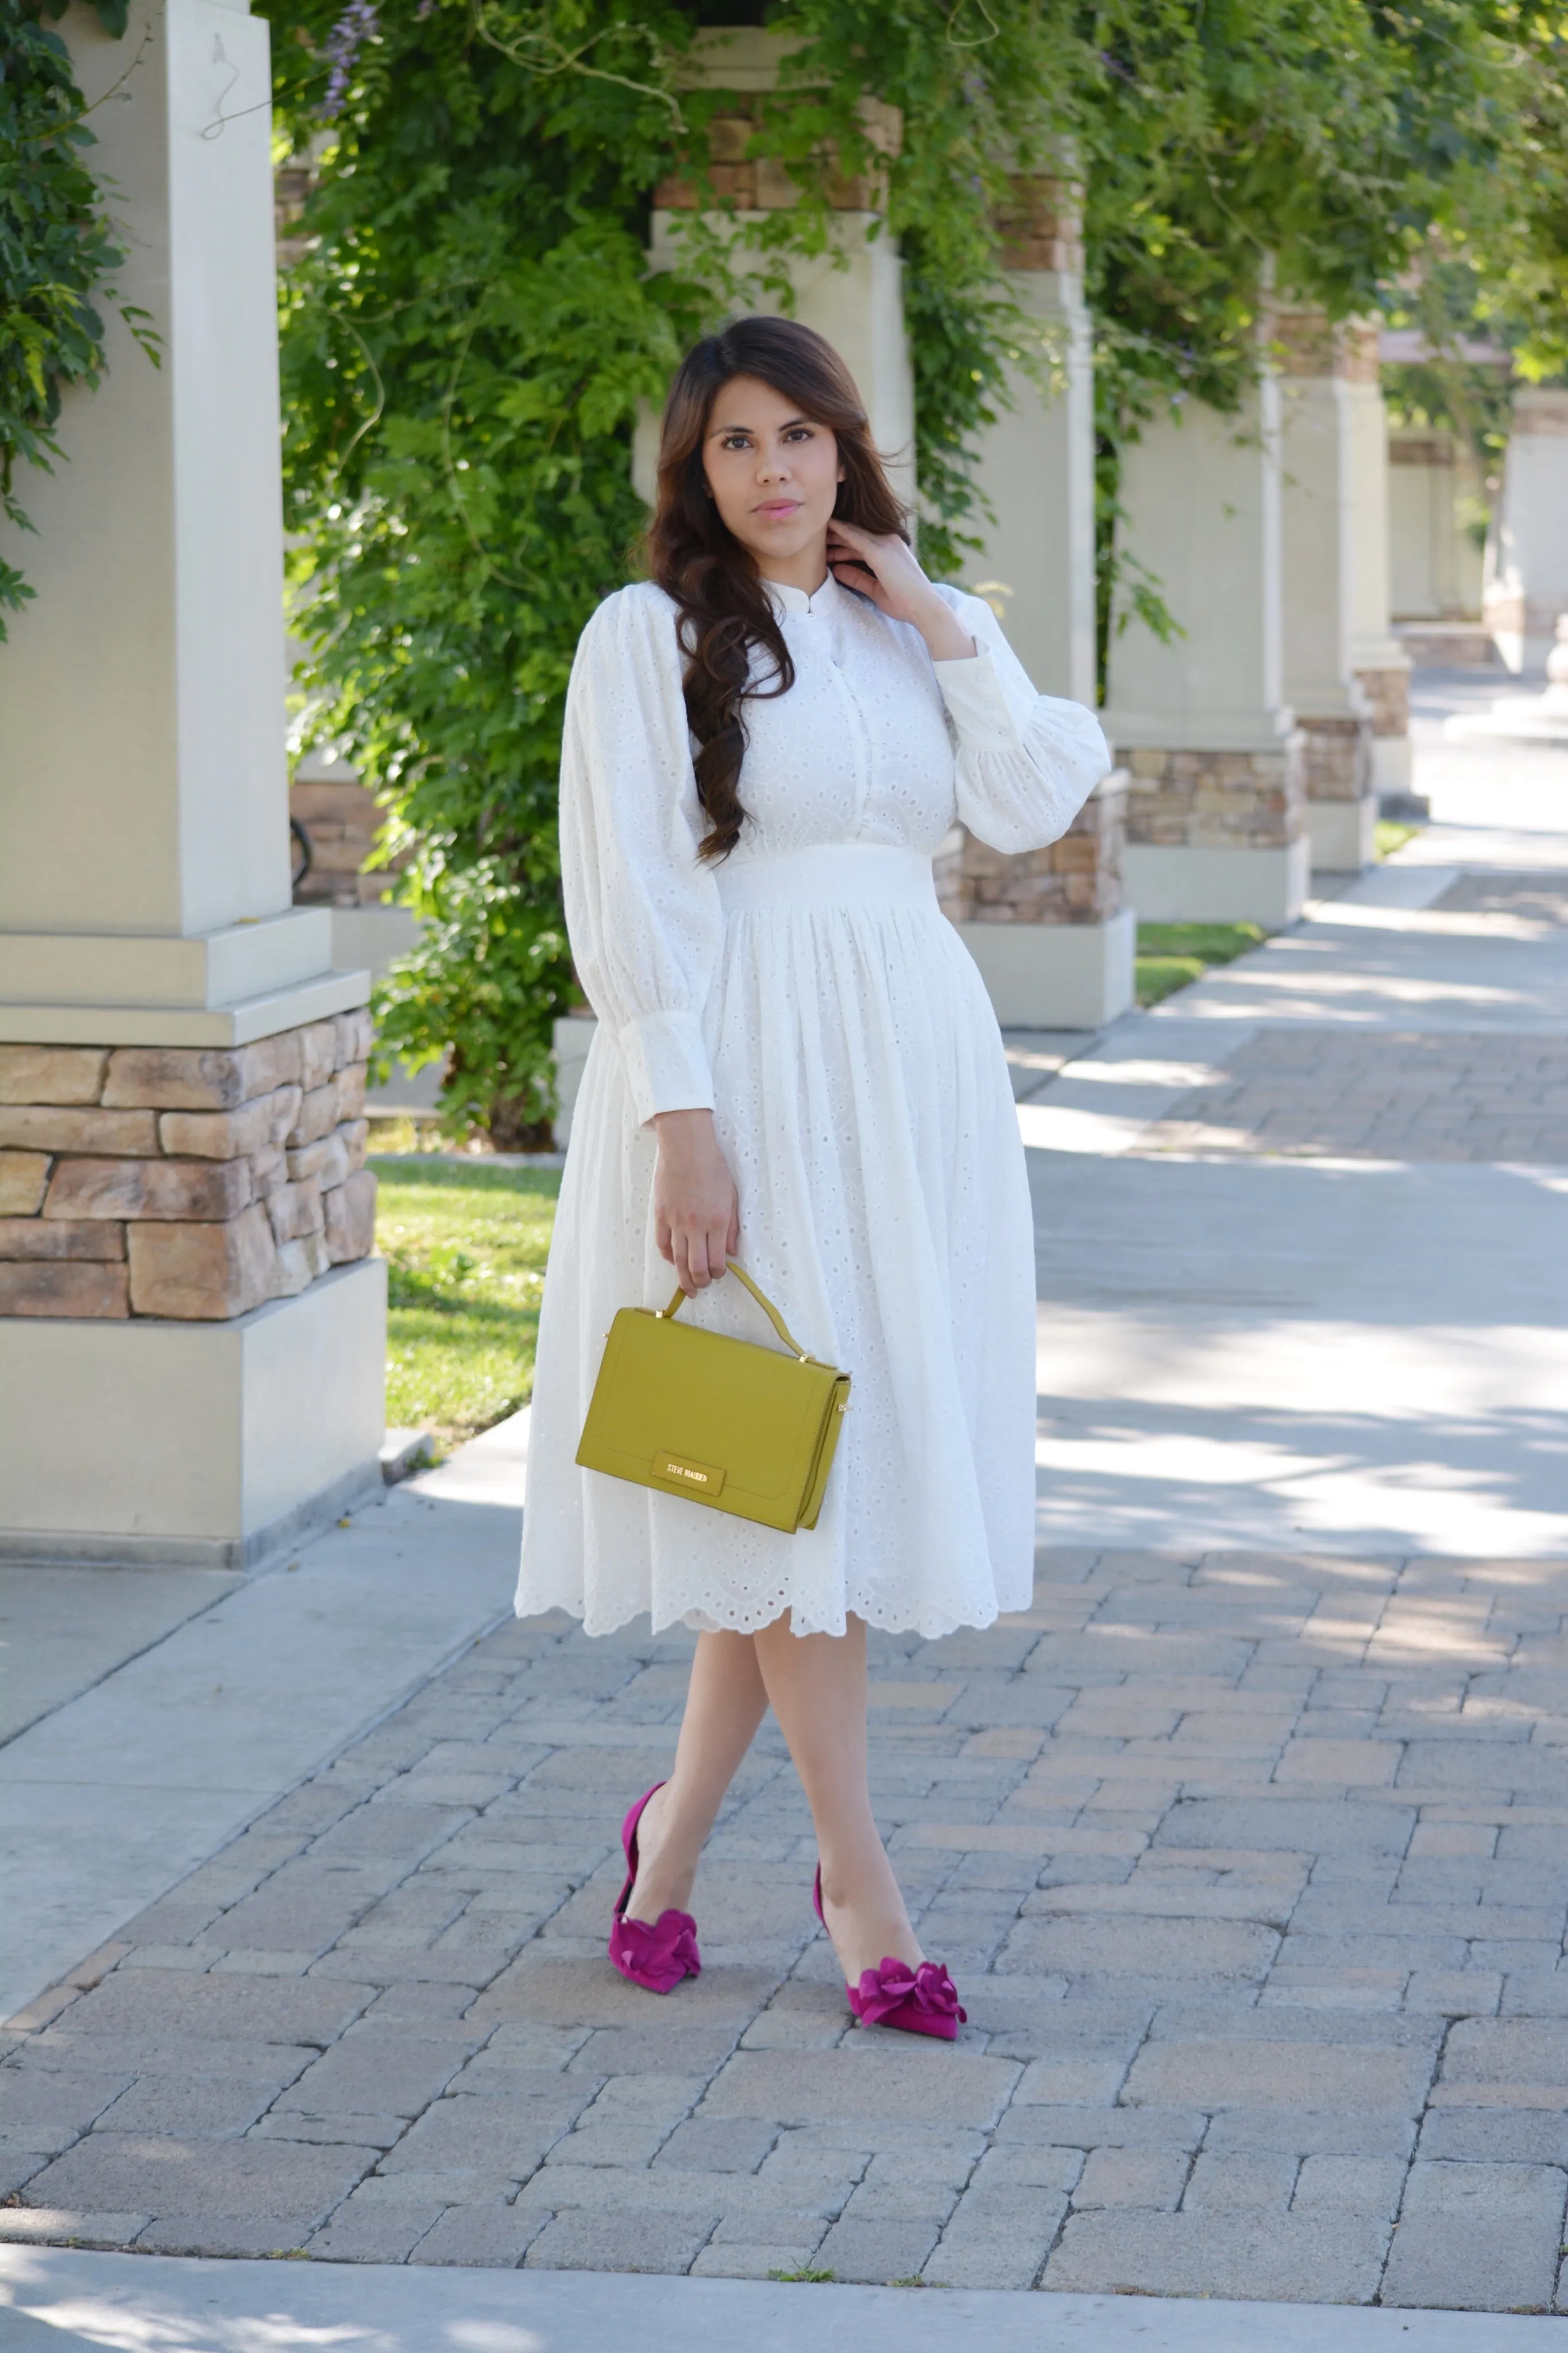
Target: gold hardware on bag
(688, 1475)
(729, 1423)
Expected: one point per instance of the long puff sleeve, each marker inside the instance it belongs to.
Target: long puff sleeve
(1026, 762)
(642, 912)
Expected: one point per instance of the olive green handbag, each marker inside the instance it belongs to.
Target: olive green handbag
(728, 1423)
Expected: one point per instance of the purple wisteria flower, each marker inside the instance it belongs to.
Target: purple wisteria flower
(353, 28)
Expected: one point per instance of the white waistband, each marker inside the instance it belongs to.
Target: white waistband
(831, 874)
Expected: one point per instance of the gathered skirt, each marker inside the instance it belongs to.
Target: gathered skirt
(864, 1103)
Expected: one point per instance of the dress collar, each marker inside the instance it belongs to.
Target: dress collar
(796, 603)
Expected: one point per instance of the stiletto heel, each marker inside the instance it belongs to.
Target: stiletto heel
(915, 2001)
(655, 1958)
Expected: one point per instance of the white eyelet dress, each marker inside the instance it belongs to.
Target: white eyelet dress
(808, 990)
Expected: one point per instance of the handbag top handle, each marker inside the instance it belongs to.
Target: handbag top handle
(763, 1301)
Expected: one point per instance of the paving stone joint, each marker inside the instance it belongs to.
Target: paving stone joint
(1250, 1870)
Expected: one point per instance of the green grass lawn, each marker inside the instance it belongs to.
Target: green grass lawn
(1392, 833)
(465, 1247)
(1170, 955)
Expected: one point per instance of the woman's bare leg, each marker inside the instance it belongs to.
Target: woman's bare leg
(817, 1684)
(724, 1704)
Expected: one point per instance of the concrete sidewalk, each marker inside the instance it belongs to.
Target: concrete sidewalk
(150, 1714)
(1302, 1266)
(53, 2302)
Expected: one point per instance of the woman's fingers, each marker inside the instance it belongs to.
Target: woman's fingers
(853, 573)
(895, 576)
(701, 1255)
(691, 1262)
(695, 1201)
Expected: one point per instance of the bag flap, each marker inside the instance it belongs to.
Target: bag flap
(666, 1388)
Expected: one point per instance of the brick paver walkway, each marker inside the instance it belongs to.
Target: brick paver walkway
(1538, 897)
(1379, 1094)
(1252, 1871)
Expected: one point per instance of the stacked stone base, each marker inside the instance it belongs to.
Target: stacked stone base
(342, 822)
(182, 1183)
(1341, 811)
(1218, 836)
(1049, 930)
(1075, 879)
(1217, 800)
(1337, 757)
(1387, 691)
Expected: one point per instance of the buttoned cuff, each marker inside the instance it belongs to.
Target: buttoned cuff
(666, 1064)
(976, 699)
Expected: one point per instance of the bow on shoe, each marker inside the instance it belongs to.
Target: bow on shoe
(883, 1991)
(657, 1956)
(684, 1949)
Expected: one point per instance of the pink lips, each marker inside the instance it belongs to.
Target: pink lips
(778, 509)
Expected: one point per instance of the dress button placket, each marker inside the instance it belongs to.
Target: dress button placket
(859, 732)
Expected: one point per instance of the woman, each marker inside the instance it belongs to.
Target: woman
(795, 1065)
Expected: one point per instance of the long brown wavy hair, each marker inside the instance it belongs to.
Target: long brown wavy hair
(725, 614)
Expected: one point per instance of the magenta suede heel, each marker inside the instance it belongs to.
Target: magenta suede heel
(915, 2001)
(655, 1958)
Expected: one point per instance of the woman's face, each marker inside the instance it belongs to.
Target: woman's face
(774, 475)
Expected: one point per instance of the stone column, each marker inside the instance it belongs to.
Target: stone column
(1216, 827)
(1318, 365)
(853, 295)
(1051, 932)
(1527, 558)
(1381, 665)
(191, 1332)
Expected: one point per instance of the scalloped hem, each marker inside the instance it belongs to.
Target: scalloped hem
(931, 1627)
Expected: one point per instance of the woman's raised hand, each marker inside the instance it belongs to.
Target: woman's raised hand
(696, 1208)
(885, 570)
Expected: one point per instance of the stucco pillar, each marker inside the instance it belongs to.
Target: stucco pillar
(1037, 462)
(1216, 828)
(1380, 663)
(1051, 932)
(1526, 584)
(1435, 565)
(852, 294)
(191, 1332)
(1318, 365)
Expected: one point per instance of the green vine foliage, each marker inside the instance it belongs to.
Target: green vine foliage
(464, 349)
(57, 250)
(465, 345)
(1335, 152)
(472, 330)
